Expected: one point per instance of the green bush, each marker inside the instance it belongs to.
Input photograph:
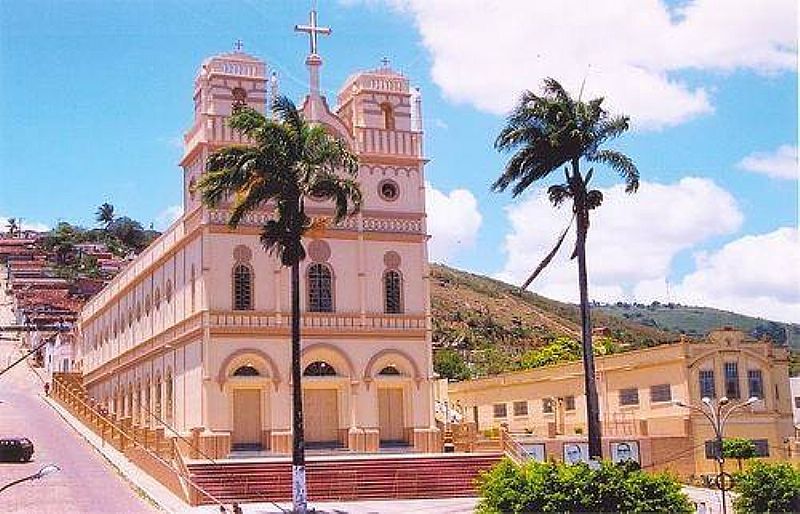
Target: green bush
(738, 448)
(556, 487)
(768, 487)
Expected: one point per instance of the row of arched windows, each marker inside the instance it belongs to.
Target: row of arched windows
(142, 402)
(315, 369)
(319, 288)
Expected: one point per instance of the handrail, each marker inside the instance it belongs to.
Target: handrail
(61, 388)
(512, 448)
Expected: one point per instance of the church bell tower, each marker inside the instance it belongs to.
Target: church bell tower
(222, 82)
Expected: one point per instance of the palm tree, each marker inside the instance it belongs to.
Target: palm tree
(13, 227)
(289, 160)
(105, 214)
(543, 133)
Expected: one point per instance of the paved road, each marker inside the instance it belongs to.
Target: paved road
(86, 484)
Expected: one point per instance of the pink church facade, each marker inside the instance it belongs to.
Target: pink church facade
(194, 334)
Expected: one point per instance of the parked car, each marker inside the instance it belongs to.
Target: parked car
(15, 449)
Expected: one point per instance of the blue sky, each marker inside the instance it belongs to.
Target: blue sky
(95, 95)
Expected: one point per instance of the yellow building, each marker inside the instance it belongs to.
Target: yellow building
(638, 391)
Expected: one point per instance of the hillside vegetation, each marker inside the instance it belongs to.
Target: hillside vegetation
(482, 326)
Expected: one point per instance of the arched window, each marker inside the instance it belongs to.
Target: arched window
(246, 371)
(319, 369)
(168, 291)
(157, 401)
(320, 288)
(170, 399)
(393, 292)
(389, 370)
(388, 116)
(242, 288)
(157, 299)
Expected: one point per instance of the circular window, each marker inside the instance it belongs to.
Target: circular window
(388, 190)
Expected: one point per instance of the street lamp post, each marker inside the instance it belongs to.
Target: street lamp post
(717, 414)
(46, 470)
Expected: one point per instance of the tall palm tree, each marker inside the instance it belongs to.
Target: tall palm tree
(105, 214)
(544, 132)
(13, 227)
(289, 160)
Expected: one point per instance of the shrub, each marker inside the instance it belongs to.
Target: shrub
(764, 487)
(556, 487)
(738, 448)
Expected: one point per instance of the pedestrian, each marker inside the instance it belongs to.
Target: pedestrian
(47, 388)
(237, 509)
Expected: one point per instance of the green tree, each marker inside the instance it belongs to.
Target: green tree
(544, 133)
(13, 227)
(105, 214)
(288, 161)
(768, 487)
(129, 232)
(556, 487)
(738, 448)
(449, 364)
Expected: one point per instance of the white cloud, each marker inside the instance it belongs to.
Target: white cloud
(757, 275)
(632, 238)
(168, 216)
(485, 53)
(453, 222)
(781, 163)
(26, 225)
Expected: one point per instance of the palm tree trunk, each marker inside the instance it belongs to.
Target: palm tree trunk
(299, 498)
(592, 403)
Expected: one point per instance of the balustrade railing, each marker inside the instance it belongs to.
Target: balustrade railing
(345, 321)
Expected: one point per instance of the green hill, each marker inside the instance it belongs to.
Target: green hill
(698, 321)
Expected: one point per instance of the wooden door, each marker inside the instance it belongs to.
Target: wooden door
(321, 415)
(246, 416)
(390, 414)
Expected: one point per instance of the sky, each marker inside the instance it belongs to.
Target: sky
(95, 96)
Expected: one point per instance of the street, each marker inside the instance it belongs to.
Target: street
(86, 482)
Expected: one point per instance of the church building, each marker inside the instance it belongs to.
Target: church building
(194, 334)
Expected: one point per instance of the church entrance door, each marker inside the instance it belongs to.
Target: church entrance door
(247, 416)
(390, 414)
(321, 415)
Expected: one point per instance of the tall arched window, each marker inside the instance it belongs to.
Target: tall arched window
(170, 400)
(320, 288)
(242, 288)
(393, 292)
(388, 116)
(157, 401)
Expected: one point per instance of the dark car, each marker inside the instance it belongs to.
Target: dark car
(15, 449)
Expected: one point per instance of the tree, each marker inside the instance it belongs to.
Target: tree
(449, 364)
(557, 487)
(105, 214)
(548, 131)
(288, 161)
(129, 232)
(768, 487)
(738, 448)
(13, 227)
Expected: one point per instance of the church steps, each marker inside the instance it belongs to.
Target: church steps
(447, 476)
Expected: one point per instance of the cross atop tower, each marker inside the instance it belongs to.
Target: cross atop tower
(238, 45)
(312, 29)
(385, 62)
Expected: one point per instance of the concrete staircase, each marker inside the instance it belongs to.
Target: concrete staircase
(376, 477)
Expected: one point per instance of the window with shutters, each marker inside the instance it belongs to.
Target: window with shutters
(755, 383)
(393, 292)
(629, 396)
(708, 388)
(500, 410)
(242, 288)
(660, 393)
(521, 408)
(320, 288)
(732, 380)
(569, 403)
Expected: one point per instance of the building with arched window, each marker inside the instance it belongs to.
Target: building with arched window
(203, 314)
